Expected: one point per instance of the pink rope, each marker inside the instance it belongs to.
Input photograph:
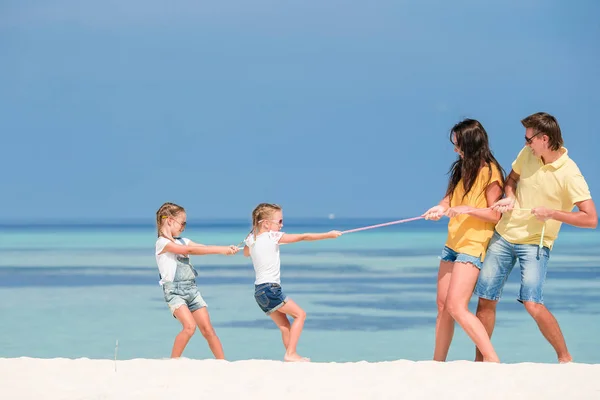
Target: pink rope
(401, 221)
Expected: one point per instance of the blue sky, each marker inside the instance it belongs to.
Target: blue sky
(110, 108)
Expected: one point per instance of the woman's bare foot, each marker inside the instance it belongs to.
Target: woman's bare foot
(492, 360)
(295, 357)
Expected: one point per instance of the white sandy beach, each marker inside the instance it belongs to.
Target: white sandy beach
(53, 379)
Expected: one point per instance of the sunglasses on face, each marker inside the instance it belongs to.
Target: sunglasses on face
(530, 139)
(278, 221)
(183, 224)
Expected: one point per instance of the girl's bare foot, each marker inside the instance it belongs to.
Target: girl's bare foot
(295, 357)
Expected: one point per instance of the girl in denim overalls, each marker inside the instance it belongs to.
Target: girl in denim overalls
(178, 278)
(262, 244)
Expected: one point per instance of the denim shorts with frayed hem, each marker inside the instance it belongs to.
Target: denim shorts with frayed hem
(499, 261)
(269, 297)
(452, 256)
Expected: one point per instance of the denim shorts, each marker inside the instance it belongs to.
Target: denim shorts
(499, 261)
(450, 255)
(183, 293)
(269, 297)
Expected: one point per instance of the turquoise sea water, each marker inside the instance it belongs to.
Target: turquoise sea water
(72, 290)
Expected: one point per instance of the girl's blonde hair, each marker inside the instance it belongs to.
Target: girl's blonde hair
(261, 212)
(165, 211)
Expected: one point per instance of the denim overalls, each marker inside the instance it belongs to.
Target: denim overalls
(183, 289)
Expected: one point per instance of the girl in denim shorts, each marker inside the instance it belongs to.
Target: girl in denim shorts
(476, 182)
(262, 244)
(178, 278)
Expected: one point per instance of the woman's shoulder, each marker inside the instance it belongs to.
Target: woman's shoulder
(487, 168)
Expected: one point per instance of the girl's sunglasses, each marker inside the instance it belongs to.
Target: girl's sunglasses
(279, 221)
(183, 224)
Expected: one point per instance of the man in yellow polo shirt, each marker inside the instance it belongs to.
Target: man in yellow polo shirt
(541, 192)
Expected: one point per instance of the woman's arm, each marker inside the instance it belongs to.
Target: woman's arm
(437, 212)
(493, 193)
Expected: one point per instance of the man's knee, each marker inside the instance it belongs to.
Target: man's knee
(533, 309)
(485, 306)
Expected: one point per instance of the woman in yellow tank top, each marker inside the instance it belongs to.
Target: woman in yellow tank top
(476, 181)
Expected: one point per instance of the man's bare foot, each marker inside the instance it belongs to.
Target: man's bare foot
(565, 358)
(295, 357)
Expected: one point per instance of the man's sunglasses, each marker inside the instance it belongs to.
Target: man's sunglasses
(528, 140)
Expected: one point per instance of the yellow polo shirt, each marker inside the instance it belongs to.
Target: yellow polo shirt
(557, 186)
(468, 234)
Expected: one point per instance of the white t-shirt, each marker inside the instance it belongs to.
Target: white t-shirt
(264, 251)
(167, 262)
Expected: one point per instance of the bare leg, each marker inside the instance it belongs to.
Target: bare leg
(203, 321)
(184, 316)
(282, 321)
(486, 313)
(464, 277)
(293, 310)
(444, 324)
(549, 327)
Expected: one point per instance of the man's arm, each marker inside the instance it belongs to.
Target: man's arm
(585, 217)
(510, 185)
(510, 188)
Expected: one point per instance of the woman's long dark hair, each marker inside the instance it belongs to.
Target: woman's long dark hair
(472, 141)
